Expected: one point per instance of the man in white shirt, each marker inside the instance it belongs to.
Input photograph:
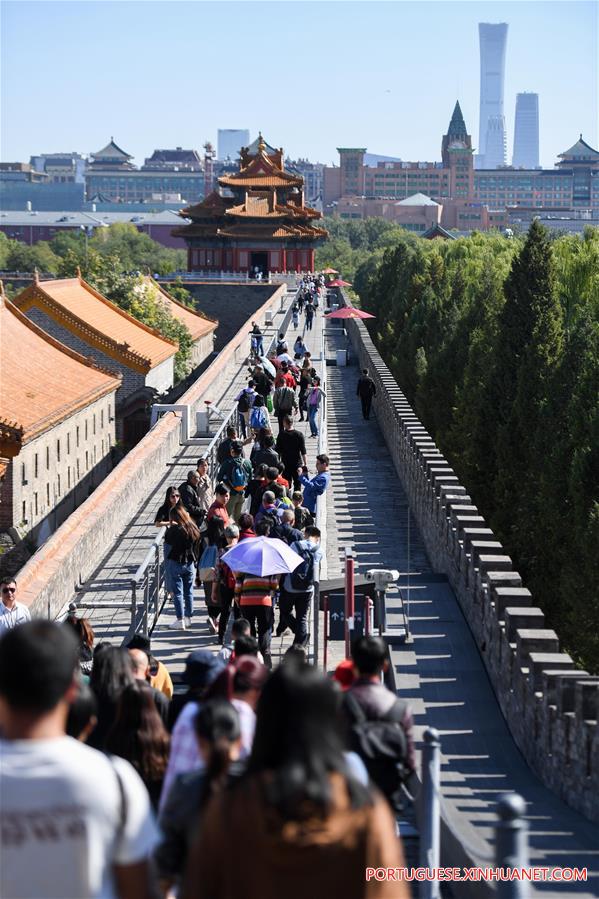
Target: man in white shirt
(11, 611)
(75, 822)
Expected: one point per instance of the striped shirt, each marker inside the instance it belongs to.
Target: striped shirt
(253, 590)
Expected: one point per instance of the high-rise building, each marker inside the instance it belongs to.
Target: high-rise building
(493, 39)
(230, 141)
(526, 132)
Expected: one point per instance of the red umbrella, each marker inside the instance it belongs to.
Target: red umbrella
(330, 271)
(349, 312)
(338, 282)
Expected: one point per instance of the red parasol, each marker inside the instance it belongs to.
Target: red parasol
(349, 312)
(330, 271)
(338, 282)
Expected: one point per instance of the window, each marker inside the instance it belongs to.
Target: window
(86, 460)
(77, 436)
(78, 470)
(101, 418)
(35, 504)
(94, 422)
(58, 450)
(86, 428)
(68, 443)
(58, 484)
(24, 518)
(48, 458)
(48, 495)
(69, 478)
(23, 474)
(36, 466)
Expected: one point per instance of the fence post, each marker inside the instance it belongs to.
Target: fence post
(325, 653)
(316, 622)
(349, 599)
(156, 584)
(511, 844)
(430, 834)
(133, 605)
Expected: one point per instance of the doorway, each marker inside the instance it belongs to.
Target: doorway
(259, 261)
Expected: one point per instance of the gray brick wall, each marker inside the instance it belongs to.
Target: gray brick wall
(551, 708)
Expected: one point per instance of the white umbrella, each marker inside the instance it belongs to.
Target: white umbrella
(262, 556)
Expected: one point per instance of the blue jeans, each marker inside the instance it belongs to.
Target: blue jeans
(258, 346)
(312, 417)
(179, 579)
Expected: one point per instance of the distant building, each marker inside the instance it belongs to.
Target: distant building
(57, 425)
(259, 223)
(491, 126)
(312, 173)
(24, 187)
(175, 175)
(70, 310)
(62, 168)
(526, 132)
(230, 141)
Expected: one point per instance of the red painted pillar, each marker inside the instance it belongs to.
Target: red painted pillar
(284, 260)
(311, 258)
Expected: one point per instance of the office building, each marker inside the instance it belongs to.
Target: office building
(493, 40)
(230, 141)
(61, 168)
(526, 132)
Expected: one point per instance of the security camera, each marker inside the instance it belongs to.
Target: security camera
(382, 577)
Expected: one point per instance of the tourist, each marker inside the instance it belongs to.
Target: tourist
(223, 451)
(246, 526)
(285, 403)
(257, 340)
(181, 546)
(299, 348)
(390, 755)
(322, 826)
(223, 586)
(316, 486)
(11, 611)
(287, 530)
(208, 566)
(309, 315)
(141, 672)
(314, 397)
(190, 498)
(284, 377)
(171, 499)
(268, 510)
(302, 517)
(204, 488)
(83, 714)
(266, 453)
(297, 588)
(291, 447)
(241, 683)
(139, 736)
(84, 632)
(160, 678)
(240, 628)
(245, 400)
(235, 473)
(305, 382)
(218, 509)
(218, 733)
(366, 389)
(254, 596)
(246, 645)
(282, 345)
(259, 417)
(262, 382)
(201, 669)
(89, 829)
(112, 672)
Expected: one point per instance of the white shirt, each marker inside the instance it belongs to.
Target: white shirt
(9, 618)
(247, 724)
(185, 751)
(61, 817)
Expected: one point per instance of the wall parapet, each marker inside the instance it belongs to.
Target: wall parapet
(550, 706)
(56, 571)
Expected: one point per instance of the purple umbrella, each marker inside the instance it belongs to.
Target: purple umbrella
(262, 556)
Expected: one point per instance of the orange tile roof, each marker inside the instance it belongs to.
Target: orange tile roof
(279, 179)
(280, 232)
(42, 381)
(84, 311)
(197, 324)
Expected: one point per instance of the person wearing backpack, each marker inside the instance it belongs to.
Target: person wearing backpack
(379, 723)
(236, 474)
(284, 403)
(366, 389)
(259, 414)
(298, 587)
(245, 401)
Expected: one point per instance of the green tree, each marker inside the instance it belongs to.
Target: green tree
(24, 258)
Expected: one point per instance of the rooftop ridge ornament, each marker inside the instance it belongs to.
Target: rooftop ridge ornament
(261, 143)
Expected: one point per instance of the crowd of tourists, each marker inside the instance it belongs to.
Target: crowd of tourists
(247, 782)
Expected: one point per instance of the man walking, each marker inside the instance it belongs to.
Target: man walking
(284, 403)
(76, 822)
(11, 611)
(253, 594)
(298, 587)
(190, 498)
(291, 447)
(257, 339)
(366, 390)
(235, 473)
(316, 486)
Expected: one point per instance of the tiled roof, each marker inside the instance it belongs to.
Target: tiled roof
(197, 324)
(87, 313)
(111, 151)
(213, 205)
(580, 148)
(278, 179)
(417, 200)
(281, 232)
(41, 380)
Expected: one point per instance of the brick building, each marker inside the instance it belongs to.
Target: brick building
(57, 425)
(77, 315)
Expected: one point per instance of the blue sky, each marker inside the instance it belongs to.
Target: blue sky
(311, 75)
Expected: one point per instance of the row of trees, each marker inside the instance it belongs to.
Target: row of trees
(496, 343)
(111, 262)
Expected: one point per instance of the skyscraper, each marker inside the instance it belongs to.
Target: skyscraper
(230, 141)
(493, 39)
(526, 132)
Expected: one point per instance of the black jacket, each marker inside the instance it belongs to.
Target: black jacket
(366, 387)
(181, 548)
(191, 500)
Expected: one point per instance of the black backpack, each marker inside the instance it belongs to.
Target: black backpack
(382, 745)
(275, 524)
(244, 402)
(302, 578)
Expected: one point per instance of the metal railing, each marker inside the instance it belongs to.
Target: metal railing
(321, 505)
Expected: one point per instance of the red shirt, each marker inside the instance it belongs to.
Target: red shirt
(285, 379)
(218, 511)
(244, 535)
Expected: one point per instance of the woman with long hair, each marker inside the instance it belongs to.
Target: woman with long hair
(85, 635)
(171, 499)
(218, 733)
(182, 540)
(112, 672)
(139, 736)
(314, 829)
(314, 397)
(223, 585)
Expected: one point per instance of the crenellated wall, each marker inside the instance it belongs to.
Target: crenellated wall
(551, 707)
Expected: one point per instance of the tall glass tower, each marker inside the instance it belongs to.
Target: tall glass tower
(526, 132)
(493, 40)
